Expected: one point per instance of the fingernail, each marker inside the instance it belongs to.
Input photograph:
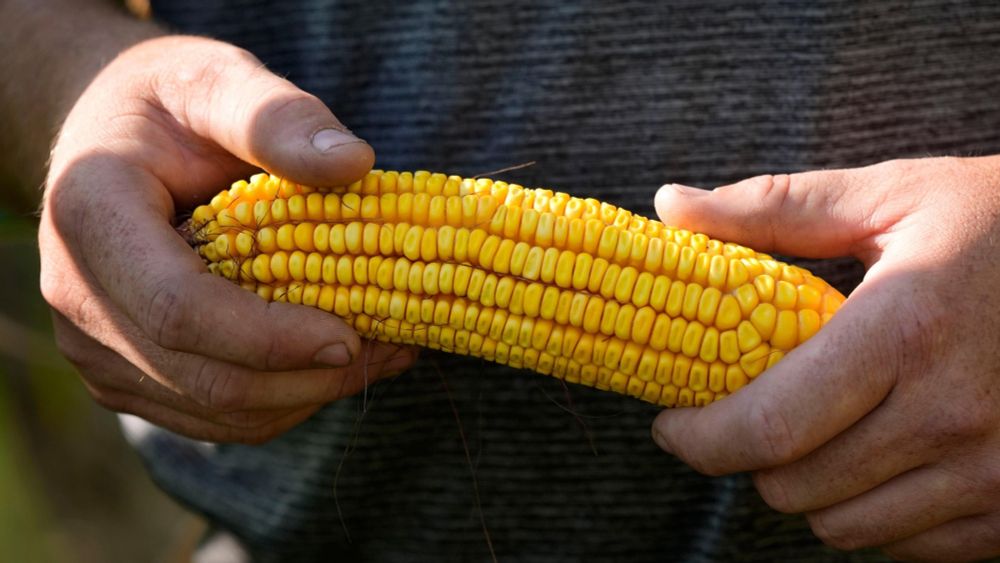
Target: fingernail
(326, 139)
(334, 355)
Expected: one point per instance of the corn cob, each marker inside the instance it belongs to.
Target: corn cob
(530, 278)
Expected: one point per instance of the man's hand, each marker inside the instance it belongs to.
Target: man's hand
(166, 125)
(884, 428)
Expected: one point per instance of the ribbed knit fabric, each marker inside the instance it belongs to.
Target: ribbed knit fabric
(611, 100)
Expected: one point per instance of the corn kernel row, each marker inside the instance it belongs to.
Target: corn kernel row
(643, 314)
(571, 287)
(462, 327)
(641, 266)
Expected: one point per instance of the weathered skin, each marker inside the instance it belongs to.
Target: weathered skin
(884, 428)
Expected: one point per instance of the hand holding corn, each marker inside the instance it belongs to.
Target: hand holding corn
(163, 125)
(884, 428)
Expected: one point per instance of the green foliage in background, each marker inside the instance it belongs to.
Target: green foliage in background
(71, 490)
(25, 522)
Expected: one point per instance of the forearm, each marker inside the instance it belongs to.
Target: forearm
(49, 51)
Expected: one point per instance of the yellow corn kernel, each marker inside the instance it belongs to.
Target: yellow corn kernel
(737, 275)
(729, 348)
(692, 299)
(754, 361)
(809, 323)
(809, 297)
(748, 336)
(735, 378)
(785, 295)
(691, 341)
(763, 318)
(708, 305)
(717, 377)
(571, 287)
(709, 350)
(658, 293)
(786, 331)
(665, 368)
(682, 367)
(765, 286)
(746, 296)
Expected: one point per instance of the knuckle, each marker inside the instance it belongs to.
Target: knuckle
(951, 163)
(73, 349)
(53, 290)
(897, 169)
(238, 54)
(705, 467)
(771, 434)
(974, 420)
(218, 388)
(772, 189)
(954, 424)
(926, 322)
(832, 534)
(102, 398)
(168, 317)
(111, 401)
(274, 355)
(60, 290)
(772, 489)
(217, 58)
(964, 488)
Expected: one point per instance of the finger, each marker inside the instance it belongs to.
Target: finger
(966, 539)
(814, 214)
(105, 371)
(879, 447)
(818, 390)
(197, 428)
(902, 507)
(221, 386)
(123, 236)
(269, 122)
(226, 387)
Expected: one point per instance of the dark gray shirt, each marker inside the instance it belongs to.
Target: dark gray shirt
(611, 100)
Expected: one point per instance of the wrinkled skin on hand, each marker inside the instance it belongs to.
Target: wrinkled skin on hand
(164, 126)
(884, 428)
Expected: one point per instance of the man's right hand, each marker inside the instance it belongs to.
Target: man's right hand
(164, 126)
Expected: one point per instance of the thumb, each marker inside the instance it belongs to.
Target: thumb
(267, 121)
(811, 214)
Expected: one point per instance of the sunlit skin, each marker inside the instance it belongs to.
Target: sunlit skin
(151, 332)
(884, 428)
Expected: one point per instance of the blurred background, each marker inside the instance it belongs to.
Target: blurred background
(71, 489)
